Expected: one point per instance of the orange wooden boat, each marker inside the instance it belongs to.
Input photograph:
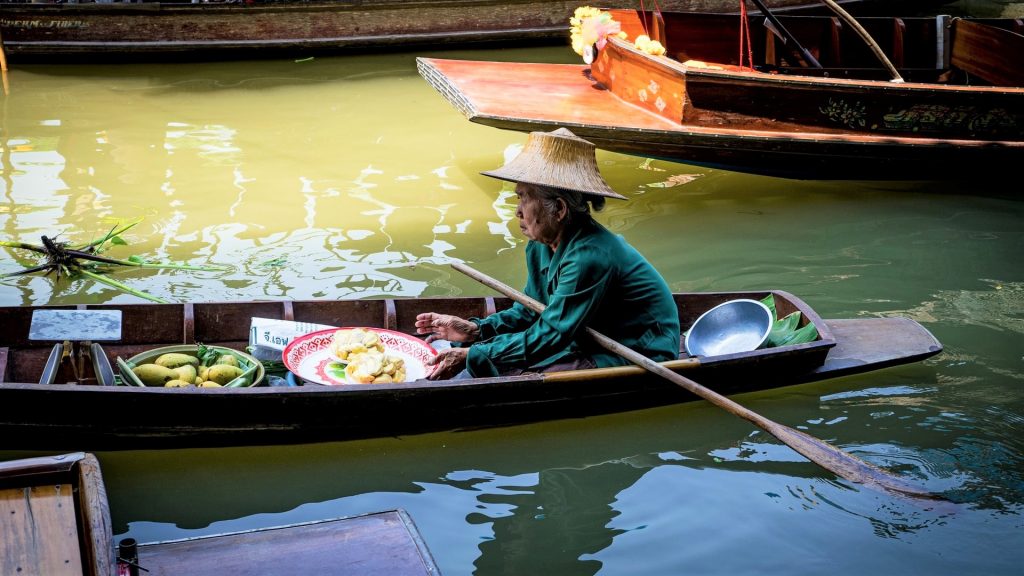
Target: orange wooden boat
(955, 109)
(52, 401)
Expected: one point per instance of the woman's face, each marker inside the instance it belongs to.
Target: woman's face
(534, 221)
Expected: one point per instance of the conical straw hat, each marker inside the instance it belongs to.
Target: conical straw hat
(558, 159)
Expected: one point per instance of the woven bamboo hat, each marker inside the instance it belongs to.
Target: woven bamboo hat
(557, 159)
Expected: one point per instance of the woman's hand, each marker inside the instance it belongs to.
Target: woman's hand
(446, 327)
(447, 363)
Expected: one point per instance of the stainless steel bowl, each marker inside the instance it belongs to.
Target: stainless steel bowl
(731, 327)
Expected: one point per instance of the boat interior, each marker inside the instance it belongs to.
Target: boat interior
(30, 357)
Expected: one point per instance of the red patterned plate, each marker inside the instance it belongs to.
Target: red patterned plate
(309, 356)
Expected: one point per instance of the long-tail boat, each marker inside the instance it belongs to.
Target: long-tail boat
(57, 521)
(799, 96)
(225, 29)
(70, 399)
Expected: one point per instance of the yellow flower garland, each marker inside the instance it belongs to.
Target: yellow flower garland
(584, 33)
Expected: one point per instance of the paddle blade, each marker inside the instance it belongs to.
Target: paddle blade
(843, 464)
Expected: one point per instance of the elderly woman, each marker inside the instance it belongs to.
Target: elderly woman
(585, 275)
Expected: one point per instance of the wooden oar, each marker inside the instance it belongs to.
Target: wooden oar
(818, 451)
(875, 48)
(796, 48)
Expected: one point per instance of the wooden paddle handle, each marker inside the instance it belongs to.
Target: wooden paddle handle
(896, 78)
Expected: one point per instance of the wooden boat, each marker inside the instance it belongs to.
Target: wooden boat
(958, 114)
(79, 411)
(56, 517)
(62, 31)
(57, 521)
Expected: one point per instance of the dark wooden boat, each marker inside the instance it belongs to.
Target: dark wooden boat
(79, 411)
(958, 114)
(57, 521)
(259, 28)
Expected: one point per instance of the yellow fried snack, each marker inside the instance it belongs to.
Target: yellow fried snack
(374, 367)
(345, 343)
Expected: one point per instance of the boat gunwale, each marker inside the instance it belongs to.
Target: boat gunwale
(790, 79)
(825, 341)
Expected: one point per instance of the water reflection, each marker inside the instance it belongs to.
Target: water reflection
(224, 165)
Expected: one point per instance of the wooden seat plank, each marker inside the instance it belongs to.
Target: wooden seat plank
(39, 531)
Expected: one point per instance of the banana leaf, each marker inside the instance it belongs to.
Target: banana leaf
(787, 331)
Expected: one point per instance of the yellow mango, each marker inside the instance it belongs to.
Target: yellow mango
(177, 384)
(210, 385)
(186, 372)
(222, 373)
(175, 359)
(154, 374)
(228, 359)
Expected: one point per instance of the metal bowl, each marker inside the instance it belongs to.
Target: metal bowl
(729, 328)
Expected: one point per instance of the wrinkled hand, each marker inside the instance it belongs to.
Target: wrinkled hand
(446, 327)
(447, 363)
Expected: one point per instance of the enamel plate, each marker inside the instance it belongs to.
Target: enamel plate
(309, 356)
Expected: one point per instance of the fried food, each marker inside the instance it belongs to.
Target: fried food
(346, 343)
(373, 367)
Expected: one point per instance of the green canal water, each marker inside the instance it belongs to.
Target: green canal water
(350, 177)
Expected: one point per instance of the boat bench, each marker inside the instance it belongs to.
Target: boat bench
(75, 331)
(29, 512)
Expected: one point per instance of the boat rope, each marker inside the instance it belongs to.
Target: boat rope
(643, 19)
(656, 12)
(745, 36)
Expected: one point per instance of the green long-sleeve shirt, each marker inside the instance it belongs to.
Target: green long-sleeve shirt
(594, 279)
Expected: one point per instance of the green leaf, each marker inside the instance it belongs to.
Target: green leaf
(244, 380)
(800, 336)
(118, 240)
(137, 259)
(337, 370)
(207, 355)
(782, 329)
(275, 262)
(769, 301)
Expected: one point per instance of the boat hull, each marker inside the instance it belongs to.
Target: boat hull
(84, 414)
